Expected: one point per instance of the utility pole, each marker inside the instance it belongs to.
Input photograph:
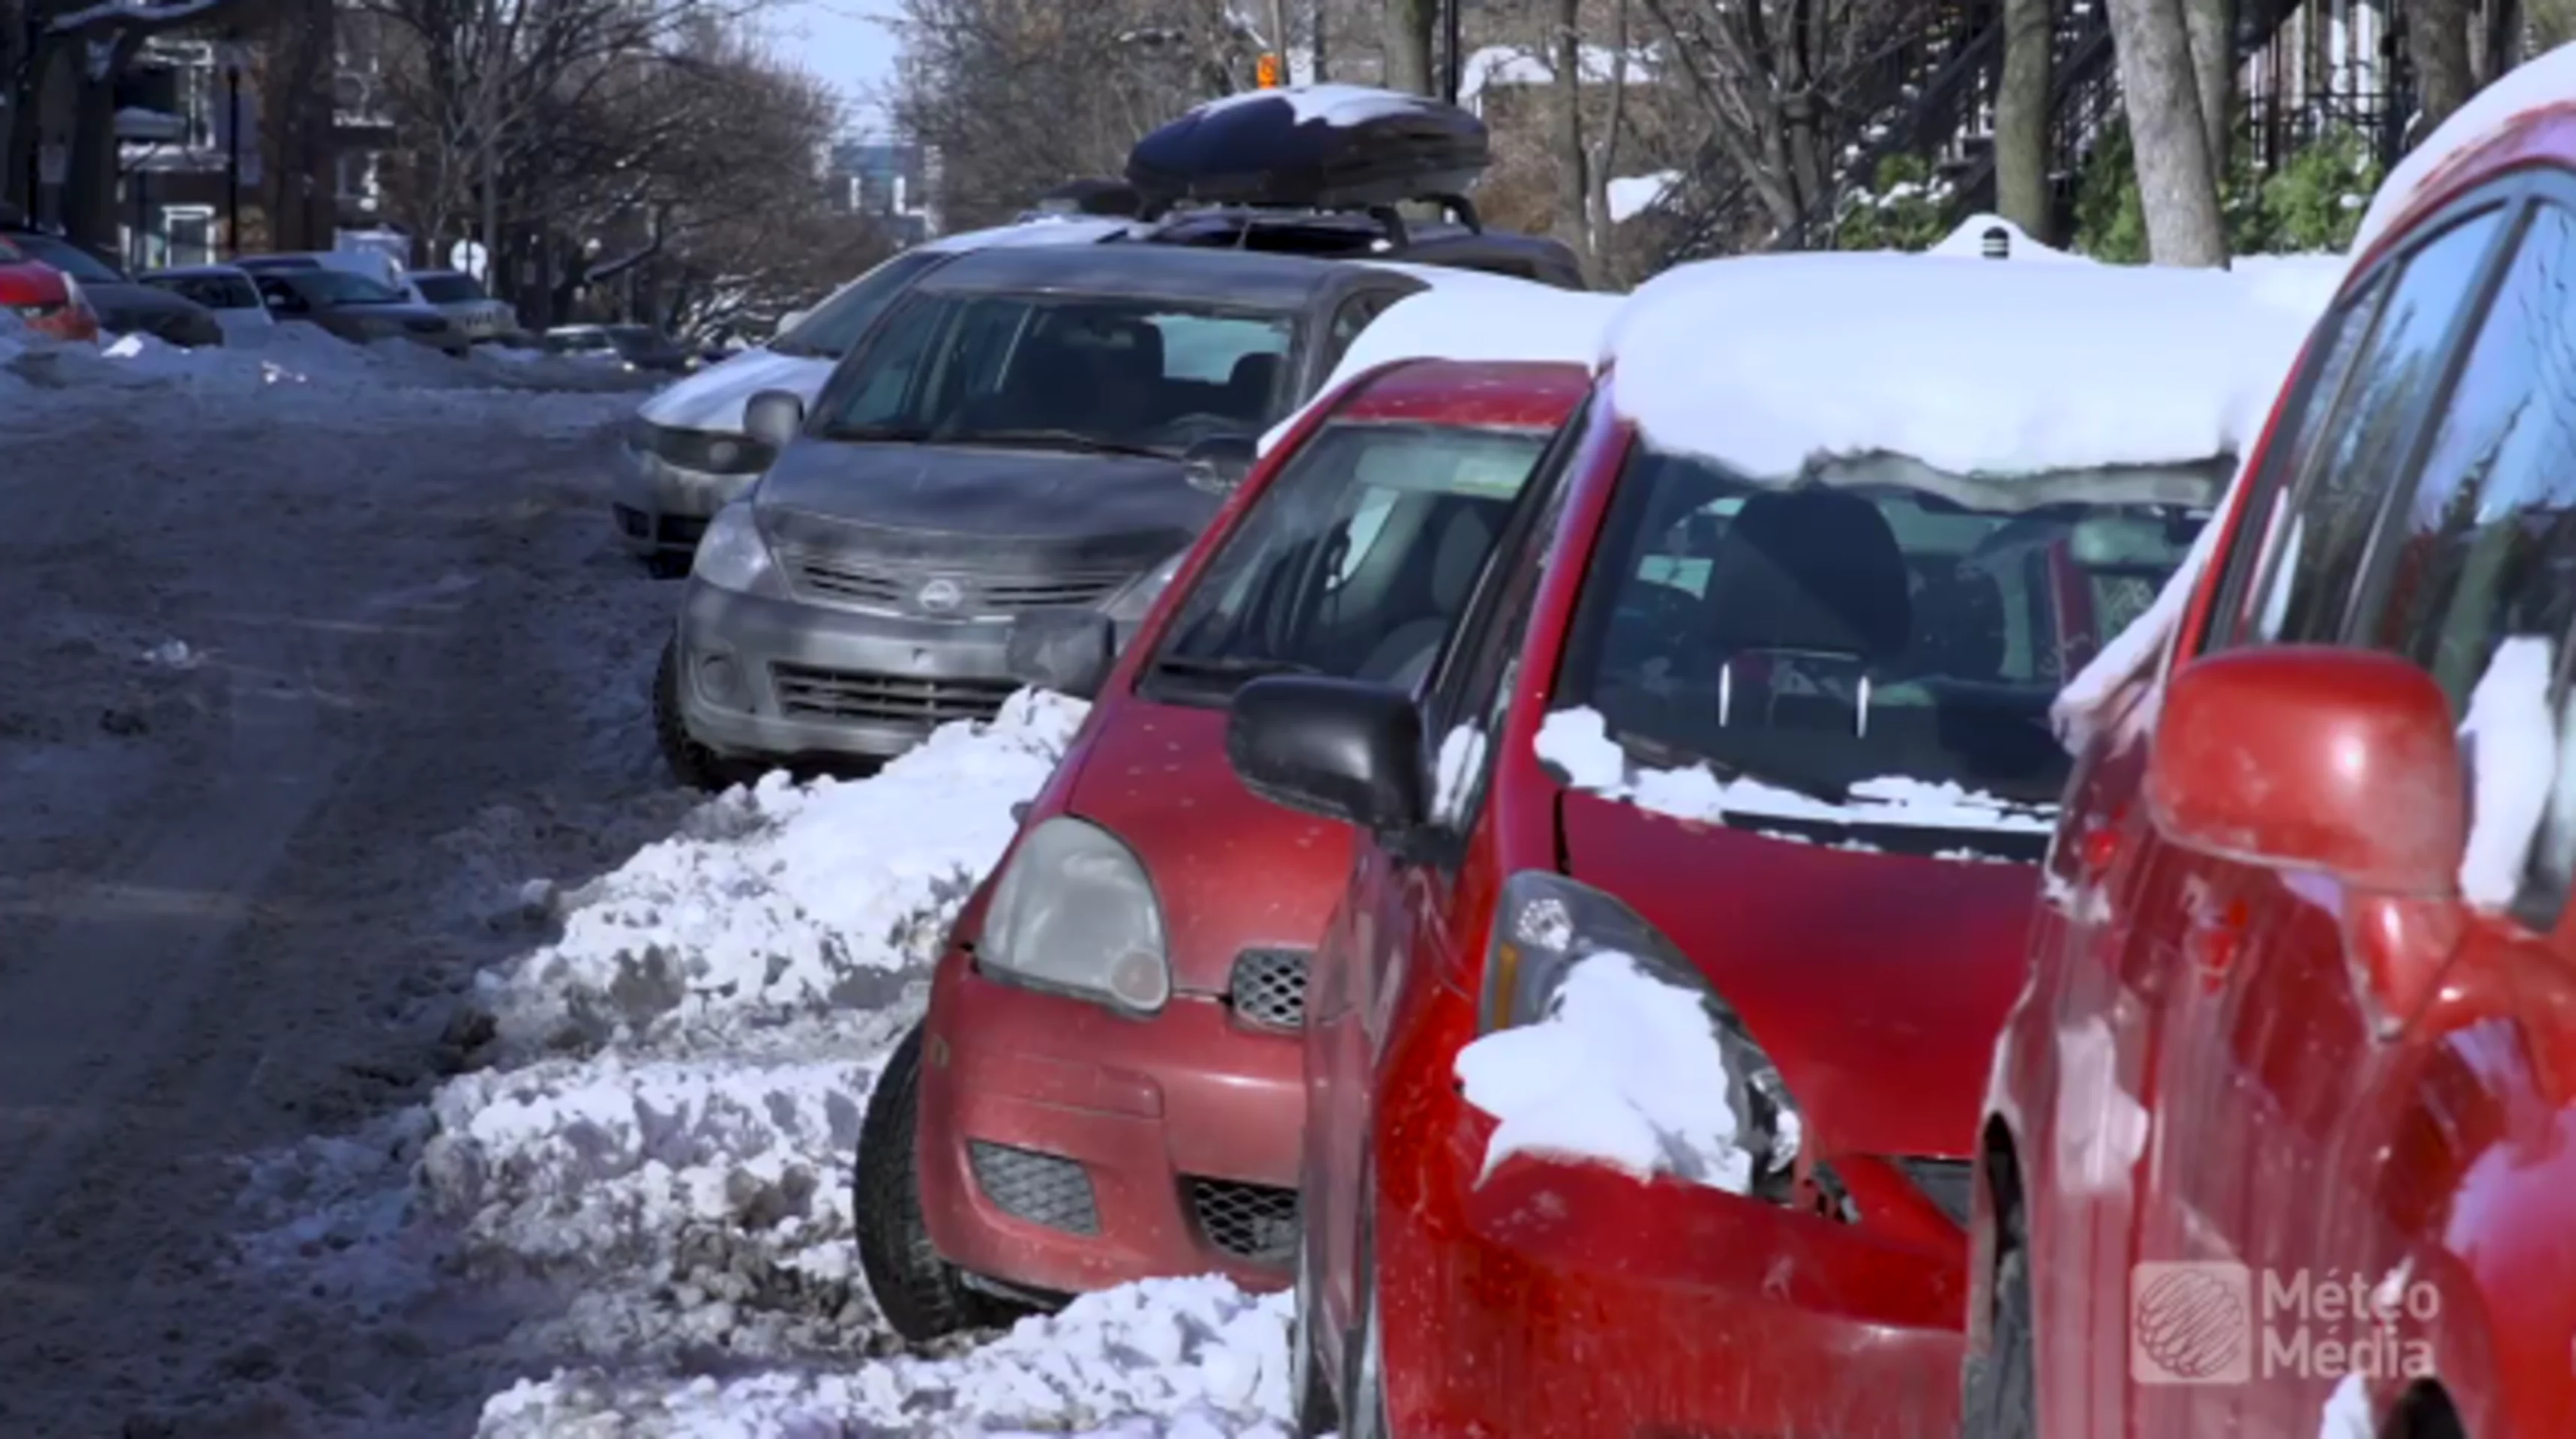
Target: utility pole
(1454, 71)
(1279, 37)
(232, 152)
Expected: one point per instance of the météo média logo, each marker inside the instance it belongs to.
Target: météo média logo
(2218, 1322)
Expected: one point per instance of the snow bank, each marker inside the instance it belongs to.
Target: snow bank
(1969, 242)
(1182, 1357)
(1766, 363)
(1466, 315)
(1625, 1069)
(1632, 195)
(291, 360)
(2535, 84)
(786, 900)
(1577, 742)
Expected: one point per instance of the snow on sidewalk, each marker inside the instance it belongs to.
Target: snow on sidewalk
(660, 1146)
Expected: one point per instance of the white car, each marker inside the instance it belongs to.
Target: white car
(465, 302)
(686, 450)
(227, 290)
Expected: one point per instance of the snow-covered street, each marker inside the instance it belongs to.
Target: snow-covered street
(386, 1047)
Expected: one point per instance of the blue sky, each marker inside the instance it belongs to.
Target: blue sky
(847, 43)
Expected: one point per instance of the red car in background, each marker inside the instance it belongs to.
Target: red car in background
(2282, 1139)
(1817, 656)
(1107, 1084)
(43, 297)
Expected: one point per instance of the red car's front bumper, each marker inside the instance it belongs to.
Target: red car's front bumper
(1065, 1148)
(1572, 1300)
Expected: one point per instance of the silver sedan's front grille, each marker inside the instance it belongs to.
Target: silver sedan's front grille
(1268, 988)
(857, 697)
(948, 593)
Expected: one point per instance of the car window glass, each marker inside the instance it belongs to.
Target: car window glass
(1213, 352)
(1472, 693)
(1356, 314)
(837, 324)
(868, 392)
(2310, 576)
(2467, 556)
(1302, 585)
(240, 294)
(280, 294)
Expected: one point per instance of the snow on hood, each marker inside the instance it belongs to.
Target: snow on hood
(1765, 363)
(715, 397)
(1626, 1069)
(1469, 315)
(2542, 81)
(780, 898)
(1577, 743)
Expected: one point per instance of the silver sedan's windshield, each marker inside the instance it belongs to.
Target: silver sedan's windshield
(1075, 372)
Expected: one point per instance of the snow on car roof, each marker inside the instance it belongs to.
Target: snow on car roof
(2543, 81)
(1471, 315)
(1767, 363)
(1334, 104)
(1044, 230)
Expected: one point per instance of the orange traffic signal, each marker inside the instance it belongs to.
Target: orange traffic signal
(1269, 72)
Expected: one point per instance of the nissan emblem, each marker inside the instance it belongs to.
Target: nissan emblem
(941, 596)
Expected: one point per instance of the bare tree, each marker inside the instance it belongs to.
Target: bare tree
(2553, 23)
(1780, 83)
(2437, 35)
(2160, 90)
(1408, 45)
(2021, 117)
(88, 47)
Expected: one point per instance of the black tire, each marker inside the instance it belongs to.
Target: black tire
(1999, 1396)
(690, 762)
(1363, 1361)
(666, 565)
(1318, 1414)
(920, 1294)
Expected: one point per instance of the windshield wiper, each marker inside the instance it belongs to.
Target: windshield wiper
(1053, 440)
(1229, 667)
(881, 434)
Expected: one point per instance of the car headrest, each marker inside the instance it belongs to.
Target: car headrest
(1464, 542)
(1811, 570)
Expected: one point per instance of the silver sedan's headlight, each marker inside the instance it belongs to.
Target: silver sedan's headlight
(732, 555)
(1075, 913)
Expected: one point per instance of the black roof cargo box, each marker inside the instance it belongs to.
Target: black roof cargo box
(1321, 146)
(1114, 198)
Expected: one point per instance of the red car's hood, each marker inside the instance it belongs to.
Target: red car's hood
(1232, 872)
(1877, 982)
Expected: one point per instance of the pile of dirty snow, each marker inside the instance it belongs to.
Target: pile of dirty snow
(653, 1162)
(1189, 1358)
(294, 359)
(786, 900)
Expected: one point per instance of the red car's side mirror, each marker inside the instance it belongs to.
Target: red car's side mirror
(2345, 762)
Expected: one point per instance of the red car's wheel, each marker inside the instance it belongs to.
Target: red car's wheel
(921, 1296)
(1317, 1414)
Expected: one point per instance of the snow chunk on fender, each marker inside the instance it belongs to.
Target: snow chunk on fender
(2512, 743)
(1626, 1069)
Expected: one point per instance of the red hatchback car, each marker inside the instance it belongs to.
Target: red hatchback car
(1780, 745)
(43, 297)
(1107, 1085)
(2282, 1139)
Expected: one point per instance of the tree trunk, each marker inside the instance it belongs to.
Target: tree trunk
(1408, 45)
(2437, 34)
(90, 177)
(2157, 85)
(1316, 15)
(2021, 117)
(1573, 180)
(2553, 23)
(2211, 25)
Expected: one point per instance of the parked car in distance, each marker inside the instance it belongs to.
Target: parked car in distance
(123, 307)
(633, 347)
(43, 298)
(1715, 826)
(687, 454)
(353, 307)
(466, 304)
(1025, 428)
(1149, 930)
(228, 292)
(2301, 1031)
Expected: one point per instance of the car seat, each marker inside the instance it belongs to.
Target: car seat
(1249, 385)
(1812, 573)
(1404, 656)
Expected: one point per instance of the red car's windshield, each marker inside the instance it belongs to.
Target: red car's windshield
(1355, 560)
(1874, 624)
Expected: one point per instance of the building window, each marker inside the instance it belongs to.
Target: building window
(188, 234)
